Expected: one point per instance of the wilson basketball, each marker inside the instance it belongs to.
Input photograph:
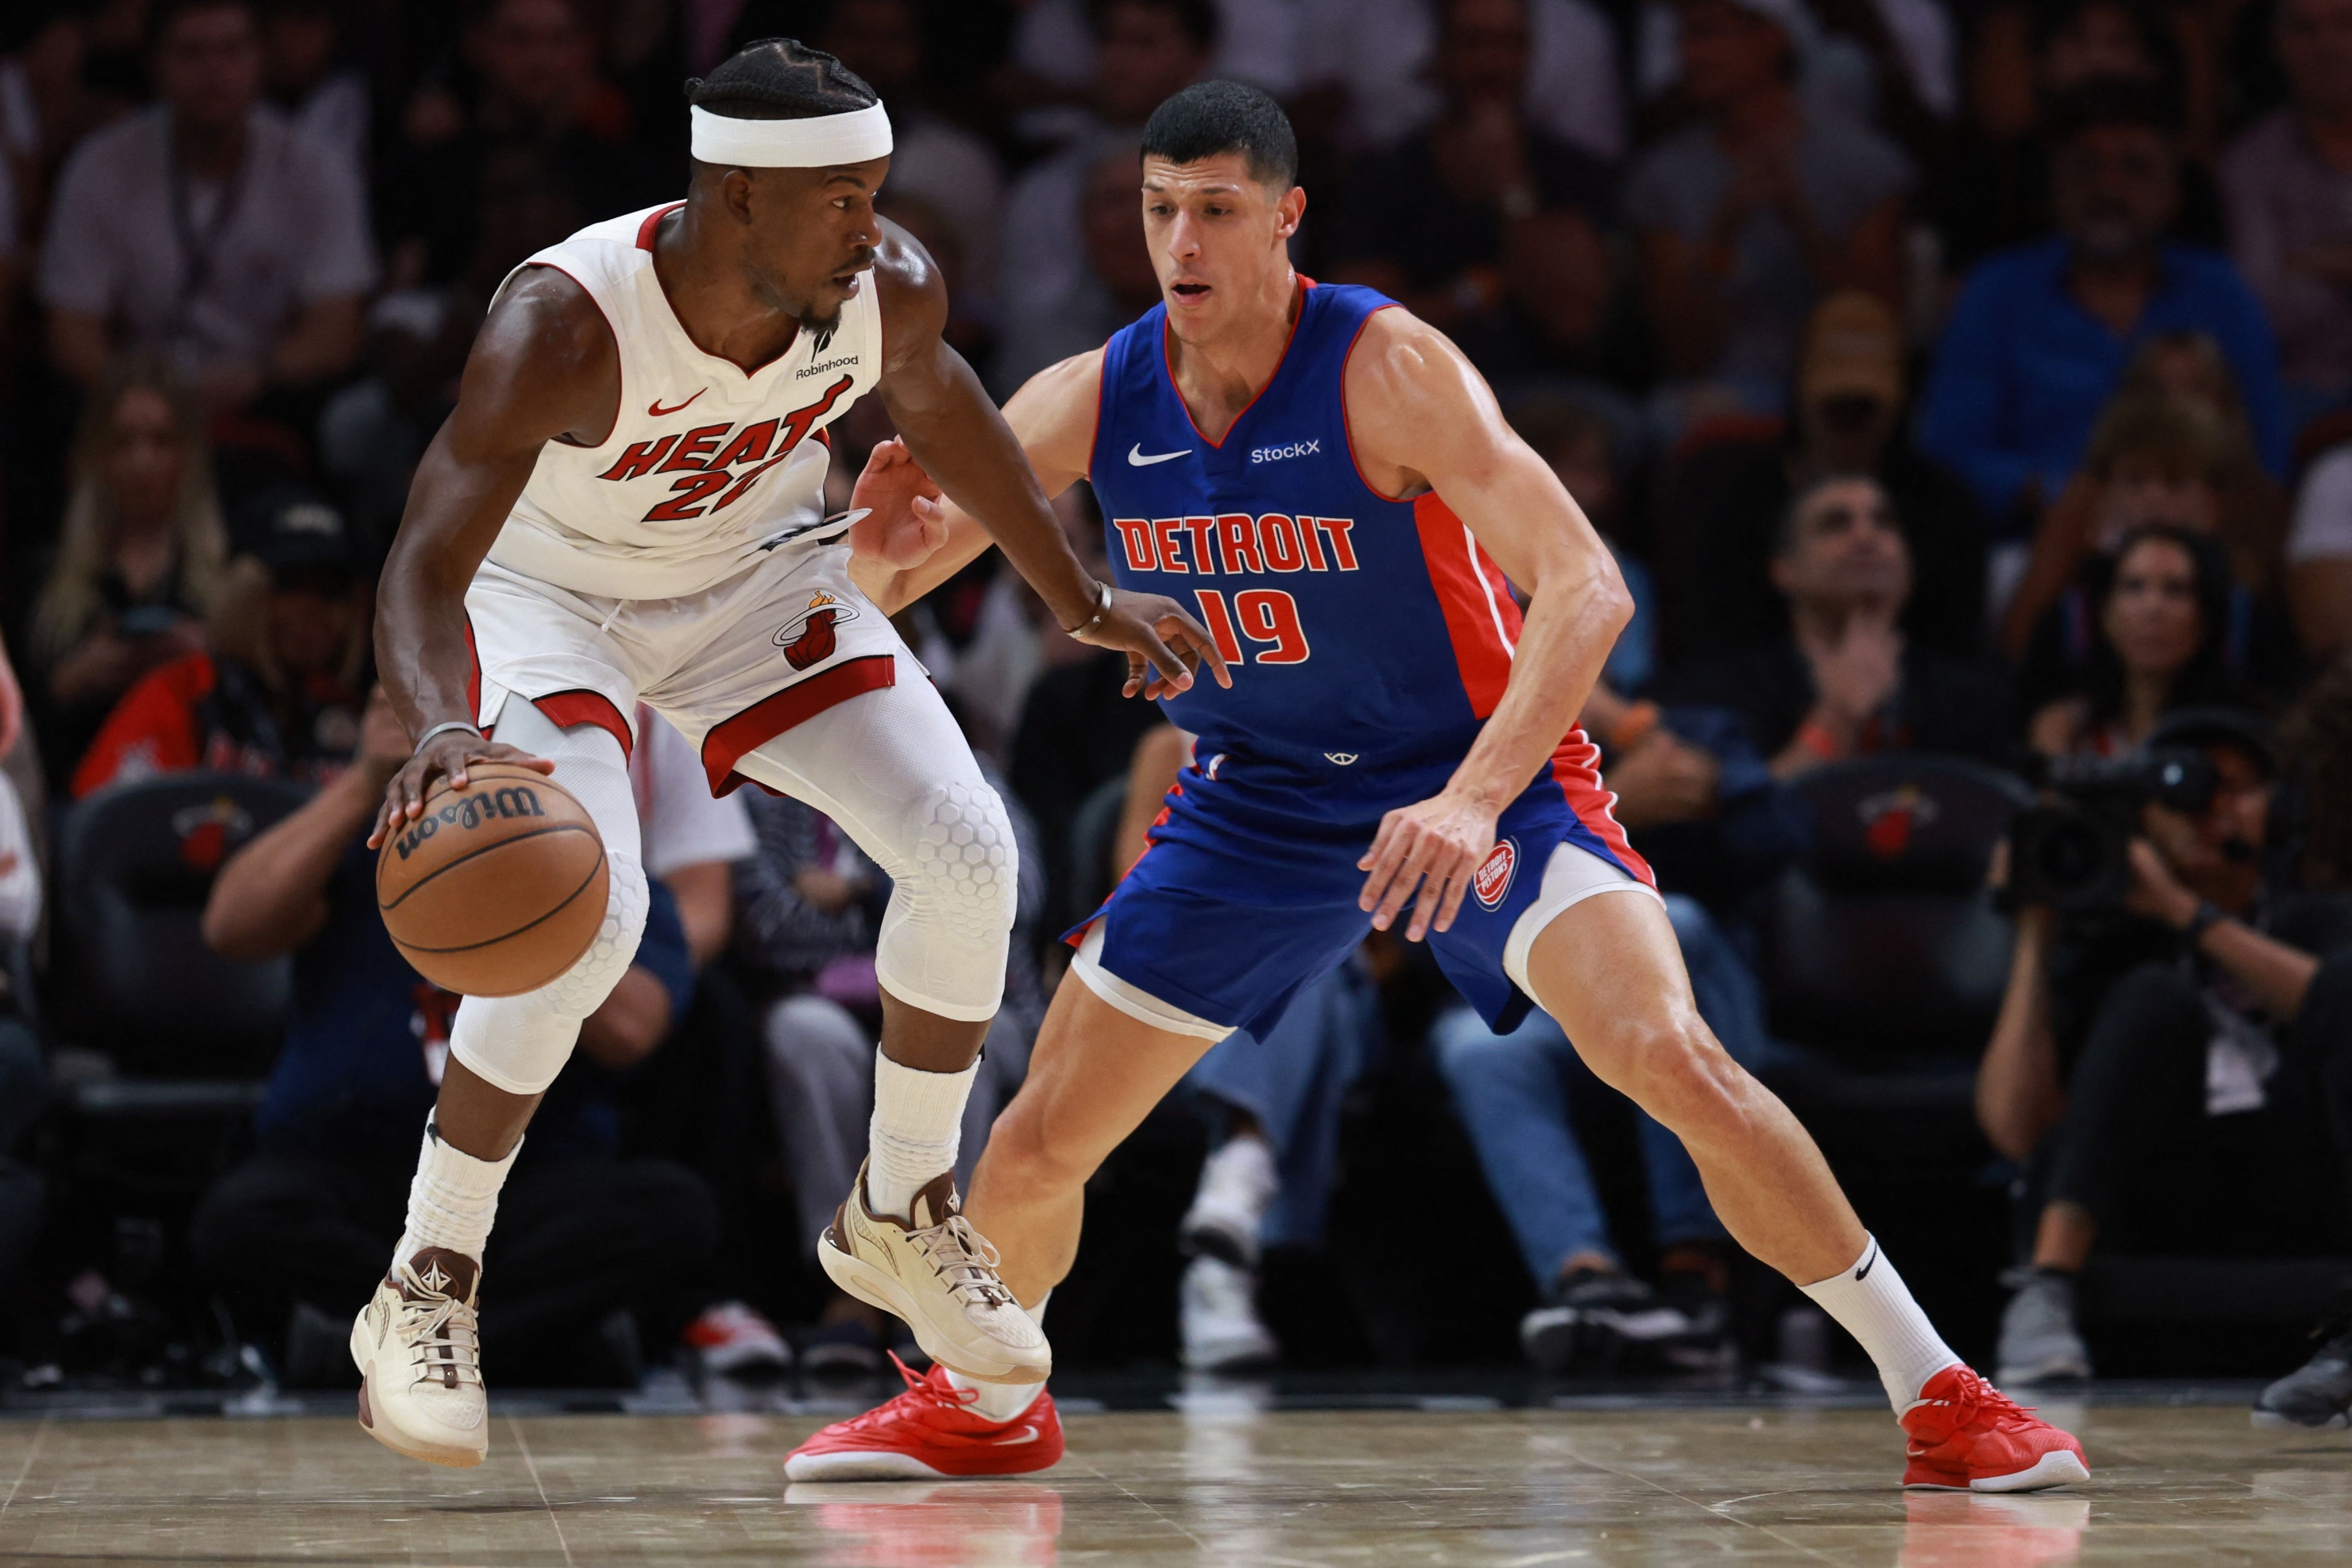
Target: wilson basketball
(498, 888)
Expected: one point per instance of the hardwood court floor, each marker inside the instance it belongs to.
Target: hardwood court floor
(1503, 1488)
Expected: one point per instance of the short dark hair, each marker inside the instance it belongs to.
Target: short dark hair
(1211, 118)
(1197, 18)
(780, 79)
(2111, 100)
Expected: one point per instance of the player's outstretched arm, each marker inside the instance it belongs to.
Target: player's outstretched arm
(956, 435)
(1423, 419)
(906, 548)
(545, 367)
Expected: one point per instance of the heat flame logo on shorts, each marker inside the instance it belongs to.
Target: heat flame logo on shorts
(808, 638)
(1492, 881)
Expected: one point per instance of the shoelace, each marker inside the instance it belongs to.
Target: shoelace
(921, 1390)
(966, 1260)
(1976, 1397)
(444, 1334)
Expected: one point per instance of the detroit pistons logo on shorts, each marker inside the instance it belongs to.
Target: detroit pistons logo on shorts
(1492, 881)
(809, 638)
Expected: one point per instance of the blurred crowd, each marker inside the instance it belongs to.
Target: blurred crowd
(1965, 387)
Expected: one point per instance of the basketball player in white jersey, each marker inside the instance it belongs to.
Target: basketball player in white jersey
(625, 506)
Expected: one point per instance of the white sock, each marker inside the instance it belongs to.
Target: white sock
(453, 1200)
(1004, 1401)
(917, 1129)
(1870, 1301)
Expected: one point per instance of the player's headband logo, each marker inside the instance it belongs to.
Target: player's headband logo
(815, 143)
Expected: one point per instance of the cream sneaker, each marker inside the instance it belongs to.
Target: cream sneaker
(939, 1274)
(419, 1349)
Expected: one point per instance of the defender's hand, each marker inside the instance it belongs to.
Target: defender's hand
(1436, 847)
(906, 521)
(449, 753)
(1144, 626)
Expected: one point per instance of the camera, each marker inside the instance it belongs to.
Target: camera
(2073, 854)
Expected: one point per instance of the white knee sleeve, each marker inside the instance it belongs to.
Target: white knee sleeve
(950, 918)
(893, 770)
(520, 1043)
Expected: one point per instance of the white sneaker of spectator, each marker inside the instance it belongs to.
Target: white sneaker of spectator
(1218, 1313)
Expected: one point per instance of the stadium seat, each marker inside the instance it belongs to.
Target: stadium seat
(1883, 962)
(135, 982)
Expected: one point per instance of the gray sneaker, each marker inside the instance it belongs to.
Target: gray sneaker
(2039, 1341)
(2319, 1394)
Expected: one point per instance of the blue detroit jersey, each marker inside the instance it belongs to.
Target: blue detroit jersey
(1368, 636)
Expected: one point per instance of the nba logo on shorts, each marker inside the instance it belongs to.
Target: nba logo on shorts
(1493, 880)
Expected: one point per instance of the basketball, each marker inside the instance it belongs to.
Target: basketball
(498, 888)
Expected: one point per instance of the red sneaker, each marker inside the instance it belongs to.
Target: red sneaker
(1968, 1436)
(928, 1432)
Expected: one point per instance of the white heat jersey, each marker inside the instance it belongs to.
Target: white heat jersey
(707, 469)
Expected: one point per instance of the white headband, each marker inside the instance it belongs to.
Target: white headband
(817, 143)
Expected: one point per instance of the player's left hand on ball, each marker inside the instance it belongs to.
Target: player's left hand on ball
(906, 520)
(1436, 847)
(1163, 645)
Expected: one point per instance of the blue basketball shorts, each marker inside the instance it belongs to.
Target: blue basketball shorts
(1239, 900)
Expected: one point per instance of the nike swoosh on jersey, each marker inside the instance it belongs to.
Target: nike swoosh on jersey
(657, 411)
(1135, 456)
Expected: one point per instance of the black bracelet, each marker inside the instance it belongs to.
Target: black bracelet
(2208, 915)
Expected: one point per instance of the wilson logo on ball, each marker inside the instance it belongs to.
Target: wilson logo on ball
(1493, 880)
(472, 811)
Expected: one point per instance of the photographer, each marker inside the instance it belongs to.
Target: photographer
(2163, 1053)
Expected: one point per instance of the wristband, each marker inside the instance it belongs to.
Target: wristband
(1816, 738)
(1102, 608)
(2208, 915)
(421, 741)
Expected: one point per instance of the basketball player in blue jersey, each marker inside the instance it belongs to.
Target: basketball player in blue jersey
(1330, 482)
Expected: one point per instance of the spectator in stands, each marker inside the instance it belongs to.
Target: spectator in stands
(2041, 335)
(208, 229)
(1748, 218)
(296, 1235)
(139, 558)
(2288, 183)
(2173, 447)
(2315, 741)
(932, 159)
(2028, 58)
(280, 691)
(1844, 680)
(2319, 555)
(1503, 251)
(1146, 50)
(2157, 462)
(306, 76)
(534, 84)
(1117, 285)
(1056, 47)
(2160, 1071)
(1725, 502)
(2160, 620)
(1365, 67)
(1516, 1093)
